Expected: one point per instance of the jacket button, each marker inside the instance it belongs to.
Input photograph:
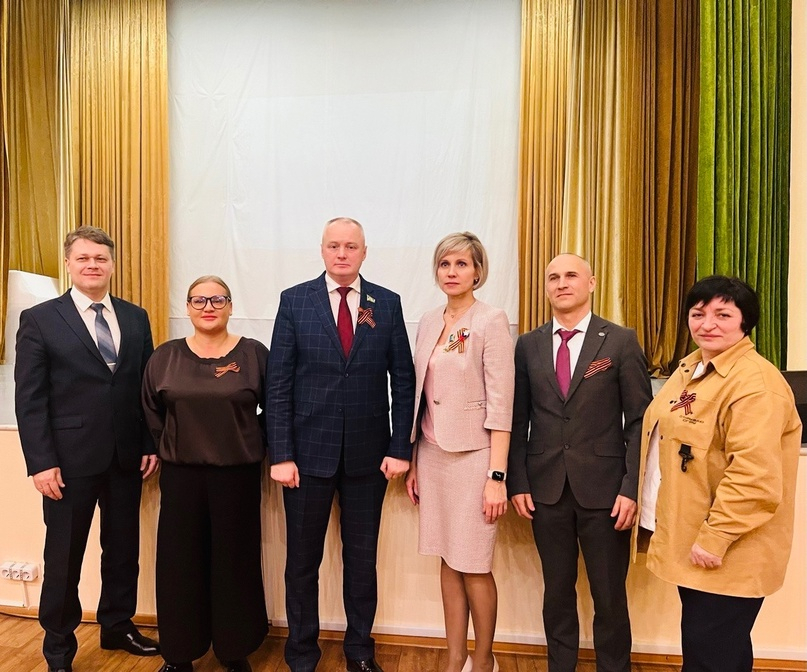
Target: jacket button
(347, 375)
(566, 419)
(565, 446)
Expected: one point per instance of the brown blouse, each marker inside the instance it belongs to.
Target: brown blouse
(205, 411)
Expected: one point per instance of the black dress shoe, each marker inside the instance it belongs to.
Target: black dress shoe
(131, 642)
(368, 665)
(237, 665)
(60, 669)
(177, 667)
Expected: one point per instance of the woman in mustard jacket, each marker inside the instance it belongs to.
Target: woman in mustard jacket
(722, 441)
(463, 413)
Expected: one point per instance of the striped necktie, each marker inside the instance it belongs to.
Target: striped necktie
(106, 345)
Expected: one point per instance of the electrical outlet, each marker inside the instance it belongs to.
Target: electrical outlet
(16, 571)
(30, 571)
(5, 570)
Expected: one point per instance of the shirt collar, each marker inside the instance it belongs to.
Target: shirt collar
(581, 326)
(83, 302)
(331, 284)
(723, 362)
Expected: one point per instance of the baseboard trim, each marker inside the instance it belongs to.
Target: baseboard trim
(438, 642)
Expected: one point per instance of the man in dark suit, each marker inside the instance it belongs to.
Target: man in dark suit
(80, 361)
(581, 391)
(337, 340)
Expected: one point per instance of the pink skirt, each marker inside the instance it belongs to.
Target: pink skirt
(452, 521)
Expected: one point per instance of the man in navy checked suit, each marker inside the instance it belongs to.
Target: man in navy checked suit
(328, 427)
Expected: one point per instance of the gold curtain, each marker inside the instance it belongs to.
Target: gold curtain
(32, 134)
(4, 195)
(621, 181)
(546, 35)
(118, 98)
(594, 224)
(30, 44)
(671, 201)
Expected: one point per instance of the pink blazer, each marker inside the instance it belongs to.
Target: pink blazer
(473, 389)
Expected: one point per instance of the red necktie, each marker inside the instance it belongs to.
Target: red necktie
(563, 369)
(344, 323)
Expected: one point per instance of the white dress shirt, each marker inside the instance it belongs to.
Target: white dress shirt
(352, 298)
(84, 303)
(575, 343)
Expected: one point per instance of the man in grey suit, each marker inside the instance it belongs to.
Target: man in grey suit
(80, 361)
(581, 391)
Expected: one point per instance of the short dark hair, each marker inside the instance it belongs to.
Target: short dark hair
(91, 233)
(730, 289)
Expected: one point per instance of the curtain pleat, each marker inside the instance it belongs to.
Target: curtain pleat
(595, 187)
(621, 129)
(4, 186)
(547, 29)
(744, 155)
(118, 98)
(670, 197)
(32, 134)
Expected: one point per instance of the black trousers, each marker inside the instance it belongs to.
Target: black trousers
(716, 631)
(558, 530)
(308, 510)
(68, 520)
(209, 578)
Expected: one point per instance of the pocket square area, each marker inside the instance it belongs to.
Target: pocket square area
(596, 366)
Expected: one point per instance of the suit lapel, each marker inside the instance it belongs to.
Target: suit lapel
(366, 301)
(596, 335)
(67, 309)
(431, 333)
(127, 328)
(545, 352)
(322, 307)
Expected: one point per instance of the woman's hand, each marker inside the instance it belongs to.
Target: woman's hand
(700, 557)
(412, 484)
(494, 500)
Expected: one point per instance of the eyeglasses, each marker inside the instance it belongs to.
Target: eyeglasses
(218, 301)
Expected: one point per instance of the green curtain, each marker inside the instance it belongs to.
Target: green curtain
(744, 154)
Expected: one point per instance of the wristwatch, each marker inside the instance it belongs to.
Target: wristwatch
(497, 475)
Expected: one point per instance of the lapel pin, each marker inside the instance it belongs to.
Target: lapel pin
(369, 298)
(366, 317)
(602, 333)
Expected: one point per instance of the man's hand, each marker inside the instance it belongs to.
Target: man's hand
(494, 500)
(49, 483)
(412, 484)
(148, 465)
(286, 473)
(392, 467)
(700, 557)
(625, 513)
(524, 505)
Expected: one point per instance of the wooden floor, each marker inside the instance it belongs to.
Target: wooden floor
(21, 642)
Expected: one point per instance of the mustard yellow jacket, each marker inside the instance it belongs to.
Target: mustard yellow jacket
(736, 497)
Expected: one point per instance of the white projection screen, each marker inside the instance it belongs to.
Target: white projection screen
(402, 114)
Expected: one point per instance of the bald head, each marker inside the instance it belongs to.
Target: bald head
(569, 284)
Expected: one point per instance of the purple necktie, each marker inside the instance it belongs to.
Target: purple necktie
(563, 369)
(344, 323)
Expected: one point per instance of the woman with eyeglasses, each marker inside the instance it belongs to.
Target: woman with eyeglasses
(201, 397)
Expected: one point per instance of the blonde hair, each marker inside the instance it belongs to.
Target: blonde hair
(208, 278)
(462, 242)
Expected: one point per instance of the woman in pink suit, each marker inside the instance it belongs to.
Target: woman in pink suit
(463, 404)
